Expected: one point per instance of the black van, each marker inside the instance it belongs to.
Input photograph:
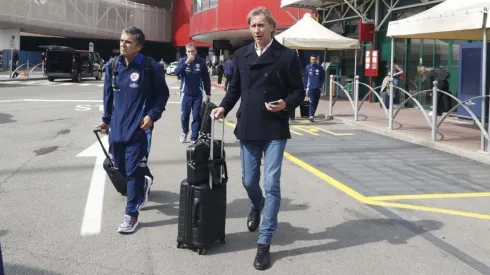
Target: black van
(66, 62)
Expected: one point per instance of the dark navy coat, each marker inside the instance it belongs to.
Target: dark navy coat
(134, 97)
(275, 75)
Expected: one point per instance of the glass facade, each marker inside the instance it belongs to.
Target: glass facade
(202, 5)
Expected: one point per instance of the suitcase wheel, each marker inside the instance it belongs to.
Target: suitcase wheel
(201, 251)
(180, 245)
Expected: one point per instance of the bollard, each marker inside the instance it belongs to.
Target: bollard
(434, 111)
(356, 100)
(330, 98)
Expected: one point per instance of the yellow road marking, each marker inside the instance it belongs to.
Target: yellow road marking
(429, 196)
(296, 133)
(369, 200)
(306, 129)
(332, 132)
(430, 209)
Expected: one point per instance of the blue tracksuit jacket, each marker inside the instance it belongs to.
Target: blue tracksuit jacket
(134, 97)
(228, 67)
(314, 76)
(195, 77)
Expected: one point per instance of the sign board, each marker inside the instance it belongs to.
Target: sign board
(12, 41)
(371, 63)
(90, 47)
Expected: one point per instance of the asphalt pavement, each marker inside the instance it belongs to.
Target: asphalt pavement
(353, 202)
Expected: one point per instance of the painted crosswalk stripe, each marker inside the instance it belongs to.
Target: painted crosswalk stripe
(66, 84)
(85, 84)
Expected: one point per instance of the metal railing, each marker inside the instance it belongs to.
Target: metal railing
(27, 72)
(432, 121)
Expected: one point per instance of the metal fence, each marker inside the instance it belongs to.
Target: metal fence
(86, 18)
(390, 113)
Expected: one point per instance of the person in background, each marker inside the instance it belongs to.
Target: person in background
(135, 97)
(195, 80)
(313, 79)
(267, 80)
(228, 71)
(15, 62)
(220, 71)
(397, 74)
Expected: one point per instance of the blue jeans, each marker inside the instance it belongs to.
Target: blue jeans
(131, 160)
(191, 103)
(314, 98)
(251, 154)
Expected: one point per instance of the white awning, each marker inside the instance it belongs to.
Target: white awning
(307, 4)
(308, 34)
(452, 19)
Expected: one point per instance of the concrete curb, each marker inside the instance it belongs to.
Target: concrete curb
(476, 156)
(23, 79)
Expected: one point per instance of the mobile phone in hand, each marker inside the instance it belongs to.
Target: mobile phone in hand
(274, 102)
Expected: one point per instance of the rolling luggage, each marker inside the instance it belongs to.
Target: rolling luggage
(304, 109)
(202, 207)
(199, 165)
(117, 179)
(206, 108)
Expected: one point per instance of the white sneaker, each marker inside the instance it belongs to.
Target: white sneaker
(183, 137)
(128, 225)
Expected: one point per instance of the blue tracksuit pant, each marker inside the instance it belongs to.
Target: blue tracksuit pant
(191, 103)
(314, 96)
(131, 158)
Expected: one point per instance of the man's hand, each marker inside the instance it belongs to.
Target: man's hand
(218, 113)
(190, 58)
(281, 105)
(146, 123)
(104, 127)
(208, 97)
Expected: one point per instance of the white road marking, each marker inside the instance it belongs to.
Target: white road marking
(92, 216)
(85, 84)
(66, 84)
(63, 100)
(100, 85)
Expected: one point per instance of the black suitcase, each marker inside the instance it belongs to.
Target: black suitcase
(202, 210)
(117, 179)
(198, 164)
(304, 109)
(206, 108)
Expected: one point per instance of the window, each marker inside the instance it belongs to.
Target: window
(202, 5)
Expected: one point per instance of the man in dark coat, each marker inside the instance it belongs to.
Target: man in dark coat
(267, 78)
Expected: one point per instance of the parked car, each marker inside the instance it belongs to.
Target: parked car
(67, 62)
(171, 68)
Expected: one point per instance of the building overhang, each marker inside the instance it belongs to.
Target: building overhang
(236, 37)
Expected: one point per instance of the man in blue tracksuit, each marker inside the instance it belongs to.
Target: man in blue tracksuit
(194, 80)
(135, 95)
(228, 71)
(313, 78)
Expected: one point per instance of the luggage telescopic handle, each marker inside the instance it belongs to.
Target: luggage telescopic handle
(96, 132)
(211, 152)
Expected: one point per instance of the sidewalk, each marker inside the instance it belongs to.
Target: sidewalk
(458, 137)
(35, 75)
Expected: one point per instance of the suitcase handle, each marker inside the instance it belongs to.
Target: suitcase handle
(96, 132)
